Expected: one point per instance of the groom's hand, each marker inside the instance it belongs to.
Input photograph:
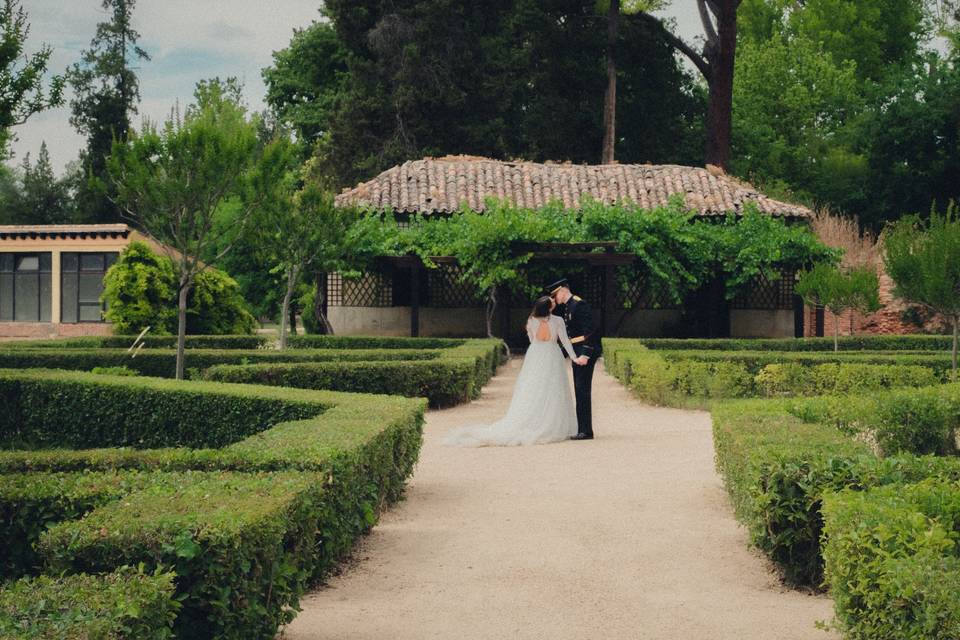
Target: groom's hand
(582, 360)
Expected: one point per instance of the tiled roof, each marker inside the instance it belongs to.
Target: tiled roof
(63, 231)
(441, 185)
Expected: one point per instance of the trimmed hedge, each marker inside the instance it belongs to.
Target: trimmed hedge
(846, 343)
(217, 526)
(373, 342)
(125, 604)
(777, 467)
(893, 562)
(690, 378)
(162, 362)
(443, 383)
(78, 411)
(32, 502)
(150, 342)
(241, 546)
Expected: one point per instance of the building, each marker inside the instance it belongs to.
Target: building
(51, 277)
(402, 299)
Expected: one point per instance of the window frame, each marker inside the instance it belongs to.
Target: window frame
(15, 275)
(108, 259)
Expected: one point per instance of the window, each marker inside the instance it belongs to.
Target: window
(25, 287)
(81, 280)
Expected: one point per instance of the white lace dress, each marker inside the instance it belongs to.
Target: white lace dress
(541, 409)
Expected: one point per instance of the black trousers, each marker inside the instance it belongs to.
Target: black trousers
(583, 389)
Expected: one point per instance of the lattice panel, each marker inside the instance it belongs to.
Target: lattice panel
(632, 292)
(446, 290)
(767, 295)
(370, 290)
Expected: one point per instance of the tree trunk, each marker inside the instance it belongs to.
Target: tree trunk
(292, 273)
(318, 304)
(956, 332)
(182, 324)
(836, 331)
(610, 98)
(720, 106)
(491, 310)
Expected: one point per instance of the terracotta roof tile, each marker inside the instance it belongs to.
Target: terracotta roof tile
(441, 185)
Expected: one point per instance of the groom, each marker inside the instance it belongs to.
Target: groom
(586, 344)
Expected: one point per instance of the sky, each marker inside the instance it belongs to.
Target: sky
(187, 40)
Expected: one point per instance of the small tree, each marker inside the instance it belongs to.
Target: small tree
(923, 258)
(171, 181)
(838, 290)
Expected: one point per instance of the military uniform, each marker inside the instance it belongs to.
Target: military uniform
(586, 341)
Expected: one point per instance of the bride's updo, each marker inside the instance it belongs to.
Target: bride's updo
(542, 307)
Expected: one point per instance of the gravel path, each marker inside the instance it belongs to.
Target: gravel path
(630, 535)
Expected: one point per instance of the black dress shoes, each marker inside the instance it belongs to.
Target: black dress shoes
(582, 436)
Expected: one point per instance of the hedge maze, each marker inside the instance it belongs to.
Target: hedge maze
(144, 507)
(856, 488)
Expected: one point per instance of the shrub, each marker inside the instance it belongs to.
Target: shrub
(114, 371)
(777, 467)
(443, 383)
(127, 603)
(149, 342)
(31, 502)
(796, 379)
(373, 342)
(216, 306)
(846, 343)
(916, 421)
(140, 290)
(62, 409)
(241, 546)
(892, 562)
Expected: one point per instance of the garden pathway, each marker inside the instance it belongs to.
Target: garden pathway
(630, 535)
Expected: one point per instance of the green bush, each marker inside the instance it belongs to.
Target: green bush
(846, 343)
(140, 290)
(796, 379)
(444, 383)
(114, 371)
(127, 603)
(777, 467)
(31, 502)
(372, 342)
(891, 561)
(241, 546)
(149, 342)
(79, 412)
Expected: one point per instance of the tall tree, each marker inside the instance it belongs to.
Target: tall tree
(716, 63)
(45, 198)
(172, 181)
(22, 92)
(106, 93)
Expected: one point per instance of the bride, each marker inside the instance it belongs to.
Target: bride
(542, 407)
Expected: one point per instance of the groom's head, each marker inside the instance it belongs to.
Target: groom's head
(560, 291)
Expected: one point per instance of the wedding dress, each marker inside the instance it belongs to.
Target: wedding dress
(541, 409)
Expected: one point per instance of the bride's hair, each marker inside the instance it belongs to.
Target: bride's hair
(541, 308)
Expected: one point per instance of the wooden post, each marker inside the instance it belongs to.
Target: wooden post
(609, 299)
(415, 301)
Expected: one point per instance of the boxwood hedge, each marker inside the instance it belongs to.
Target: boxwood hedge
(289, 500)
(892, 561)
(779, 457)
(121, 605)
(149, 342)
(846, 343)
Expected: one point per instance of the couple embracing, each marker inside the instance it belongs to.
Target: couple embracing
(542, 409)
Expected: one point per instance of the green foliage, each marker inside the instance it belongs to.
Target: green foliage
(846, 343)
(839, 290)
(488, 91)
(892, 562)
(924, 261)
(241, 545)
(127, 603)
(21, 75)
(115, 371)
(373, 342)
(149, 342)
(106, 92)
(443, 382)
(32, 502)
(777, 467)
(35, 195)
(801, 379)
(140, 291)
(133, 412)
(215, 306)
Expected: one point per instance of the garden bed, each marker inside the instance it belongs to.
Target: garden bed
(276, 498)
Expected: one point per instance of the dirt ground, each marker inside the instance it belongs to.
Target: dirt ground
(630, 535)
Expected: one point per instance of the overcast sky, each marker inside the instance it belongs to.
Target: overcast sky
(188, 40)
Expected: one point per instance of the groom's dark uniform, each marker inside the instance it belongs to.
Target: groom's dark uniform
(586, 342)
